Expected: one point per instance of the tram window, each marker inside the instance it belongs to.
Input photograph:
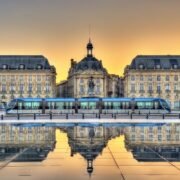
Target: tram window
(107, 105)
(53, 105)
(66, 105)
(20, 105)
(125, 105)
(141, 105)
(84, 105)
(92, 105)
(48, 105)
(164, 104)
(116, 105)
(145, 105)
(35, 105)
(156, 105)
(59, 105)
(71, 106)
(27, 105)
(149, 105)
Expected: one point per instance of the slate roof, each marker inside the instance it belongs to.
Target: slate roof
(153, 61)
(29, 62)
(89, 62)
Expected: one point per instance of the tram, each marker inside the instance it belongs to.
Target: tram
(87, 105)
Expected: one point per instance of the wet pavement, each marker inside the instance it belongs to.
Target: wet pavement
(90, 151)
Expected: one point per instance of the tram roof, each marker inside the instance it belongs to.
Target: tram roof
(46, 99)
(88, 99)
(129, 99)
(29, 99)
(60, 99)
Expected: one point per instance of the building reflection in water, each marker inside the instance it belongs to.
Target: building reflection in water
(90, 141)
(34, 141)
(154, 142)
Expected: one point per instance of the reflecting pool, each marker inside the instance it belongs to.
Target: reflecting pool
(89, 151)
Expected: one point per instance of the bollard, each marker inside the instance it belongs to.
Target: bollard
(131, 116)
(34, 116)
(18, 116)
(50, 115)
(2, 117)
(163, 116)
(147, 116)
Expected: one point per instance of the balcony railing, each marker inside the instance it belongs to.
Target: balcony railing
(168, 90)
(141, 91)
(150, 91)
(159, 91)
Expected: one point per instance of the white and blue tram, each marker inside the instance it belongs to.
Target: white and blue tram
(87, 105)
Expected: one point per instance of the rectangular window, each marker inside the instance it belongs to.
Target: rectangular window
(38, 78)
(150, 87)
(59, 105)
(107, 105)
(21, 88)
(27, 105)
(81, 89)
(98, 89)
(116, 105)
(133, 87)
(83, 105)
(167, 77)
(176, 77)
(150, 78)
(141, 78)
(177, 105)
(3, 87)
(158, 78)
(92, 105)
(39, 87)
(158, 87)
(30, 88)
(167, 87)
(36, 105)
(12, 87)
(141, 87)
(132, 78)
(176, 87)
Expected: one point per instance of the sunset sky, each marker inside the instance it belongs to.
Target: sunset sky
(59, 30)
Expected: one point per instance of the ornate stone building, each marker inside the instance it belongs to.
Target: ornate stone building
(154, 76)
(88, 78)
(26, 76)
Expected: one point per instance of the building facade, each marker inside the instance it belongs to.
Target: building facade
(26, 76)
(88, 78)
(154, 76)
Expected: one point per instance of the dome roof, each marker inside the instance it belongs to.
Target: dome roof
(89, 62)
